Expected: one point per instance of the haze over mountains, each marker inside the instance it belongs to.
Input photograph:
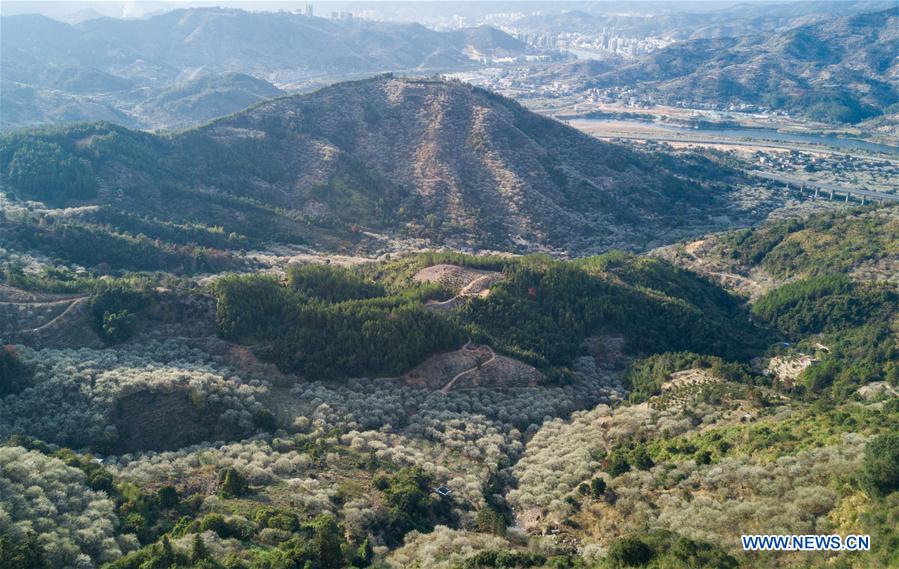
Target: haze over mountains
(416, 158)
(118, 70)
(683, 21)
(831, 62)
(834, 70)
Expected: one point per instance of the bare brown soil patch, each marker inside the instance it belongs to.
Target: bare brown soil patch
(56, 323)
(461, 280)
(689, 378)
(246, 362)
(472, 366)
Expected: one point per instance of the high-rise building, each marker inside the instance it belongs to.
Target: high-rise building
(309, 12)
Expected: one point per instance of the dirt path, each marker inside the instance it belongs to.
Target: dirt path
(446, 388)
(43, 302)
(466, 292)
(73, 306)
(699, 265)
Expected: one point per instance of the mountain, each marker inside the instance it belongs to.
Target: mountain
(836, 70)
(104, 67)
(437, 160)
(261, 43)
(204, 98)
(75, 94)
(687, 21)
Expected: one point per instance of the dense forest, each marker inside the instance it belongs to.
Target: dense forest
(326, 321)
(832, 294)
(825, 243)
(329, 323)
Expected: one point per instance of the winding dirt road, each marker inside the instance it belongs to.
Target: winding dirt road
(446, 388)
(466, 292)
(73, 305)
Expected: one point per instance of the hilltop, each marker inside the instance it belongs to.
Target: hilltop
(357, 163)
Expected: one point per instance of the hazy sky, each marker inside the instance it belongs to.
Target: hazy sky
(67, 9)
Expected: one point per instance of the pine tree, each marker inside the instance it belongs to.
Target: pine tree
(326, 541)
(167, 558)
(233, 483)
(198, 551)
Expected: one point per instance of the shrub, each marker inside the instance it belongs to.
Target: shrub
(880, 471)
(215, 522)
(618, 462)
(630, 552)
(597, 487)
(234, 484)
(117, 326)
(489, 520)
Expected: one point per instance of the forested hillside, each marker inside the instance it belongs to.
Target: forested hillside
(405, 323)
(541, 313)
(826, 284)
(370, 160)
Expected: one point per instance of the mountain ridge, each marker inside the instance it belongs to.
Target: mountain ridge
(430, 159)
(834, 70)
(126, 63)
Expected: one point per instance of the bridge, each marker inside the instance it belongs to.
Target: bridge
(821, 190)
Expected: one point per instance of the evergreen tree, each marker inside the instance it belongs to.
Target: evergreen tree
(880, 472)
(167, 556)
(597, 487)
(326, 542)
(364, 553)
(489, 520)
(198, 550)
(234, 484)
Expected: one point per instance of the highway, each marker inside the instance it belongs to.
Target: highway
(871, 194)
